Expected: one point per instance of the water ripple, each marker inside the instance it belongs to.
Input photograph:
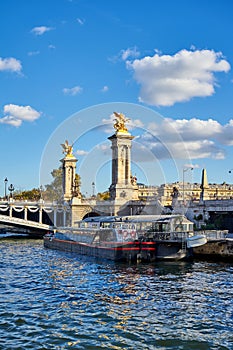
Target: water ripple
(55, 300)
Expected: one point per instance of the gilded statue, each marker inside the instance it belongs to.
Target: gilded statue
(67, 149)
(120, 121)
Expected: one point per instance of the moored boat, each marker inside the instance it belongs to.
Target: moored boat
(219, 246)
(127, 238)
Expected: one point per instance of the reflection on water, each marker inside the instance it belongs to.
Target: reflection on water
(56, 300)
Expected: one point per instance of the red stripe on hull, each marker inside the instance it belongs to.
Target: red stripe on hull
(129, 251)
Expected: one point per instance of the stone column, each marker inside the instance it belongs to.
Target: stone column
(69, 170)
(122, 187)
(25, 213)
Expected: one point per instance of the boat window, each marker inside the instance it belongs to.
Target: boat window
(125, 227)
(117, 225)
(107, 236)
(105, 224)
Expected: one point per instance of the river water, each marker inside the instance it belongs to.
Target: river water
(56, 300)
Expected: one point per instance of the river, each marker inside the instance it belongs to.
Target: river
(56, 300)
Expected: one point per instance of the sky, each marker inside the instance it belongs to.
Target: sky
(67, 65)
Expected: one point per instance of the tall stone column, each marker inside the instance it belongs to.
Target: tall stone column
(69, 171)
(123, 185)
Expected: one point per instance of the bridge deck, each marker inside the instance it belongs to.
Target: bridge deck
(27, 224)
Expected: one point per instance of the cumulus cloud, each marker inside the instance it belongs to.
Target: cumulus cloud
(15, 115)
(41, 30)
(73, 91)
(10, 64)
(198, 138)
(167, 79)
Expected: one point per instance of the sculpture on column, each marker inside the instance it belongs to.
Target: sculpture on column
(67, 149)
(120, 121)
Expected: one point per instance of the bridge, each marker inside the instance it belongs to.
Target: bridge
(33, 228)
(33, 218)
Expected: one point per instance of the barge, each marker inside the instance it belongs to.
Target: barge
(129, 238)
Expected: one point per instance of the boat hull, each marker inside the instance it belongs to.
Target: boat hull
(172, 251)
(131, 251)
(221, 249)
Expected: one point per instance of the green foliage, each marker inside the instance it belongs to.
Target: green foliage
(33, 195)
(103, 196)
(54, 191)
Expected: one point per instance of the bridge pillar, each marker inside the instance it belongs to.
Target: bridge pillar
(124, 185)
(40, 215)
(68, 172)
(10, 210)
(55, 217)
(25, 213)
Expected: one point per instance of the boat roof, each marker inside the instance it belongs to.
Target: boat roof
(137, 218)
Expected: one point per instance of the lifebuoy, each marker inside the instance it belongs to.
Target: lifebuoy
(133, 234)
(125, 234)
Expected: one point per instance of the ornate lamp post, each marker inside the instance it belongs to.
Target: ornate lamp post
(6, 182)
(93, 189)
(11, 189)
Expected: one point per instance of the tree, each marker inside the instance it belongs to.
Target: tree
(33, 195)
(54, 191)
(103, 196)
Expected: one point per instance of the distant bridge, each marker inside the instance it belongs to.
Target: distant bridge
(34, 218)
(31, 227)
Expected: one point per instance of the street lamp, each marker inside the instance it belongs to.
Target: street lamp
(11, 189)
(93, 189)
(6, 182)
(41, 191)
(184, 170)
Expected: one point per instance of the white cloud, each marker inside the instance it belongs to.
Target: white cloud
(123, 55)
(15, 115)
(195, 137)
(167, 79)
(80, 21)
(10, 64)
(191, 130)
(33, 53)
(73, 91)
(81, 152)
(51, 47)
(130, 52)
(10, 120)
(41, 30)
(105, 88)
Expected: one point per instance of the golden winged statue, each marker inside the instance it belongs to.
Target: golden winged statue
(67, 149)
(120, 121)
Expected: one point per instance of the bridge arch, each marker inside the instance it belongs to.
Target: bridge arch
(90, 214)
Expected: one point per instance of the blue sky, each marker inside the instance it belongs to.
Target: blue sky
(65, 65)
